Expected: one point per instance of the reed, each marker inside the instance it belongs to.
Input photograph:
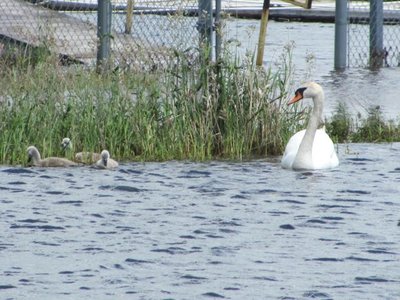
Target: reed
(368, 126)
(230, 110)
(190, 110)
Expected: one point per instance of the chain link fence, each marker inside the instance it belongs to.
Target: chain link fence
(145, 33)
(359, 34)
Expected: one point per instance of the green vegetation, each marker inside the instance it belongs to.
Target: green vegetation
(342, 127)
(232, 110)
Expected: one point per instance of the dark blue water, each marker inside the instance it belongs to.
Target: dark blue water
(216, 230)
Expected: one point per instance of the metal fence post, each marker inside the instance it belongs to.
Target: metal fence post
(340, 34)
(376, 51)
(218, 30)
(204, 24)
(104, 12)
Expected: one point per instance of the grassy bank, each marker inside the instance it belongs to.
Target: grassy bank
(231, 111)
(367, 127)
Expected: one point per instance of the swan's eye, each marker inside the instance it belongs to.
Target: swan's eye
(300, 92)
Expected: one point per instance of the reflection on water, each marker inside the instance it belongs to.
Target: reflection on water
(181, 230)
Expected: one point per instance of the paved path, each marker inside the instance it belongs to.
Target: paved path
(30, 24)
(35, 25)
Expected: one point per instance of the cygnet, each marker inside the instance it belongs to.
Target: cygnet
(34, 157)
(82, 157)
(106, 162)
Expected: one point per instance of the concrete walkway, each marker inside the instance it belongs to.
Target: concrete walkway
(30, 24)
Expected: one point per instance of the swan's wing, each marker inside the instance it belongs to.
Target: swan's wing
(324, 153)
(291, 149)
(112, 163)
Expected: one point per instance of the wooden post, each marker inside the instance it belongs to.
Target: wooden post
(263, 33)
(129, 17)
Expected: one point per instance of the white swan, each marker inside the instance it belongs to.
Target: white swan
(34, 157)
(312, 148)
(106, 162)
(82, 157)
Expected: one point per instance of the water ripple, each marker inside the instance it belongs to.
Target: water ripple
(372, 279)
(213, 295)
(18, 171)
(121, 188)
(360, 258)
(195, 174)
(173, 250)
(7, 286)
(326, 259)
(17, 183)
(357, 192)
(193, 278)
(287, 226)
(133, 261)
(188, 230)
(41, 227)
(72, 202)
(316, 294)
(11, 189)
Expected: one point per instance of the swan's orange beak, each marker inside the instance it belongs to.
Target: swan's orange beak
(297, 97)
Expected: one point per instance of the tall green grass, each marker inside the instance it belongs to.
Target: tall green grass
(370, 126)
(230, 110)
(196, 110)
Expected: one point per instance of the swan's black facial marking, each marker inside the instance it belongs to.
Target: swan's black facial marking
(298, 95)
(300, 91)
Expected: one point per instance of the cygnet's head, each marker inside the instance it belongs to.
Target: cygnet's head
(66, 143)
(105, 155)
(33, 153)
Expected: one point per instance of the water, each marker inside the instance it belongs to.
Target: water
(216, 230)
(312, 47)
(313, 59)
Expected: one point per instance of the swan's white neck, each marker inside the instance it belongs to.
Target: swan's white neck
(303, 158)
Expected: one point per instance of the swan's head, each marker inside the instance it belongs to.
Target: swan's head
(308, 90)
(66, 143)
